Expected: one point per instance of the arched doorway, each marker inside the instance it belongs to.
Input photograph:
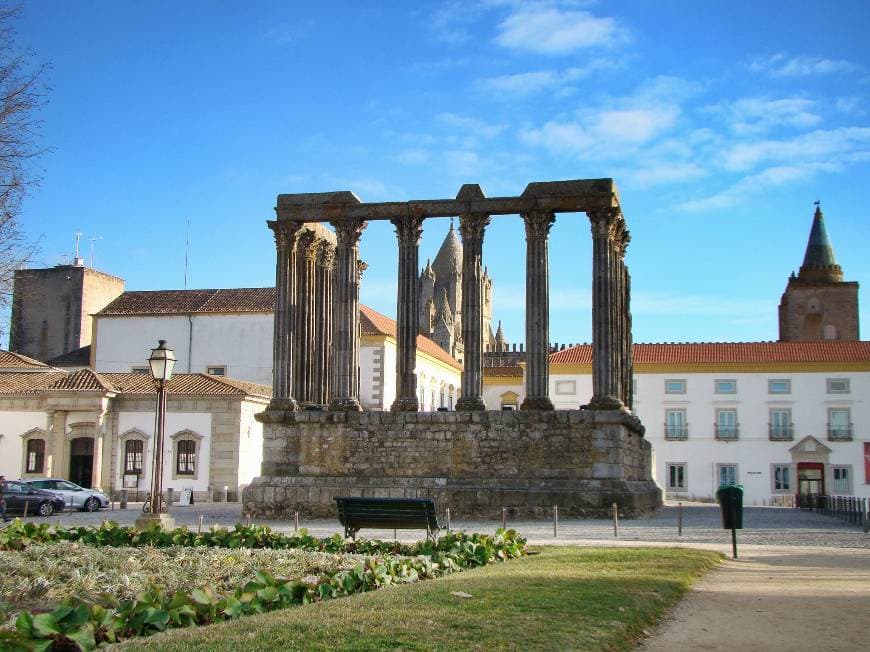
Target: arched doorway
(81, 460)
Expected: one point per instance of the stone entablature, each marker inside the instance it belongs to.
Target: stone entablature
(473, 462)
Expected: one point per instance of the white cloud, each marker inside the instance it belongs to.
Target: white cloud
(413, 156)
(754, 184)
(530, 83)
(834, 145)
(476, 126)
(549, 30)
(781, 65)
(664, 172)
(752, 115)
(603, 133)
(463, 163)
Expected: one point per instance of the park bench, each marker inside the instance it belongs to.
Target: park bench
(356, 513)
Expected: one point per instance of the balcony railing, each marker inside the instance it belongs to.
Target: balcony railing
(781, 431)
(839, 432)
(726, 431)
(676, 431)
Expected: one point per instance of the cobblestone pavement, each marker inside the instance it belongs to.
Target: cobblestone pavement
(765, 526)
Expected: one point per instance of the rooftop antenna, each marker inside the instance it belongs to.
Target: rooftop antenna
(186, 251)
(77, 261)
(93, 238)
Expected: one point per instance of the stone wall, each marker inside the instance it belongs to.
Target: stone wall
(473, 462)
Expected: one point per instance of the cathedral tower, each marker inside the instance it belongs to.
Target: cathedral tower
(817, 304)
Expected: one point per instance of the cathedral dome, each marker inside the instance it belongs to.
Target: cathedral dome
(449, 258)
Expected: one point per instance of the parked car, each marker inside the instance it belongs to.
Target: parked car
(74, 496)
(19, 494)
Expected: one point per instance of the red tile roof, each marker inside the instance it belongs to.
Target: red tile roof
(9, 360)
(374, 323)
(126, 383)
(167, 302)
(730, 352)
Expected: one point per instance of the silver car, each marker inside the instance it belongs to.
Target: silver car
(75, 497)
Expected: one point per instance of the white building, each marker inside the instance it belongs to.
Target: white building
(780, 418)
(98, 430)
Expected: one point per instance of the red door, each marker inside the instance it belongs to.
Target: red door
(811, 478)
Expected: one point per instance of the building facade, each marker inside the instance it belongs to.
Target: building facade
(97, 430)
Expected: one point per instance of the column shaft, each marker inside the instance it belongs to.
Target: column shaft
(286, 235)
(408, 231)
(538, 225)
(472, 226)
(606, 344)
(346, 315)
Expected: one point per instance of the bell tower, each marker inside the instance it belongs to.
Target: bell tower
(817, 303)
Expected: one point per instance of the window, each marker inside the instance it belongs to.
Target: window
(779, 386)
(781, 478)
(780, 426)
(185, 460)
(35, 456)
(838, 385)
(842, 479)
(839, 424)
(133, 453)
(727, 474)
(726, 423)
(675, 387)
(725, 386)
(676, 477)
(140, 370)
(675, 424)
(216, 371)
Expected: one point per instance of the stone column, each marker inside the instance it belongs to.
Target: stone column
(627, 366)
(408, 231)
(297, 323)
(312, 246)
(606, 293)
(324, 321)
(346, 315)
(361, 266)
(537, 311)
(286, 235)
(472, 226)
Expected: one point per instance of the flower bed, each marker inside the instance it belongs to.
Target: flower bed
(82, 624)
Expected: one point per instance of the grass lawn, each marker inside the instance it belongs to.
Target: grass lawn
(563, 598)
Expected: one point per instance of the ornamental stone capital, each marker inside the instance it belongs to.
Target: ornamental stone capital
(538, 224)
(348, 231)
(361, 266)
(286, 234)
(409, 229)
(605, 221)
(472, 226)
(327, 255)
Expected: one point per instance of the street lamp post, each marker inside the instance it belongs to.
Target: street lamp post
(161, 362)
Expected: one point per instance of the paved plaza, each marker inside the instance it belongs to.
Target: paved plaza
(763, 526)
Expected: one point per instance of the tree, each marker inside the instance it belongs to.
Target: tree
(22, 94)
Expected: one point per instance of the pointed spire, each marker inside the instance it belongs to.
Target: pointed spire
(444, 311)
(819, 261)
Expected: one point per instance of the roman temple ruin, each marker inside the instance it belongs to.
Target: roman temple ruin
(472, 460)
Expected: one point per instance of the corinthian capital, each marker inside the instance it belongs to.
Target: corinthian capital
(327, 255)
(361, 266)
(538, 224)
(472, 226)
(604, 221)
(286, 234)
(409, 228)
(348, 231)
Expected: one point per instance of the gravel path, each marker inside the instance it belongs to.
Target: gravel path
(778, 526)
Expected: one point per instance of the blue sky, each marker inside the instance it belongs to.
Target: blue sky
(721, 122)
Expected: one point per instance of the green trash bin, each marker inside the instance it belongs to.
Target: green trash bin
(730, 499)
